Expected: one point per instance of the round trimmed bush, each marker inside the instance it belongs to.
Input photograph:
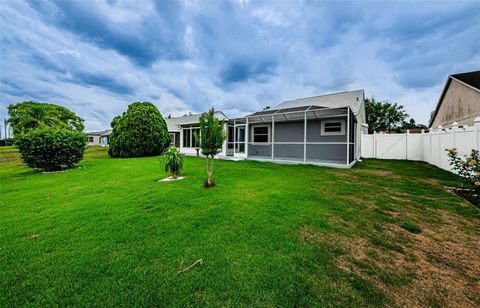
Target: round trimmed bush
(138, 132)
(51, 149)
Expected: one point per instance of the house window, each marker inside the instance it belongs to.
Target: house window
(260, 134)
(333, 127)
(90, 139)
(195, 131)
(186, 137)
(177, 139)
(189, 137)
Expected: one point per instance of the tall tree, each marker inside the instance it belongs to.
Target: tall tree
(138, 132)
(212, 136)
(30, 115)
(383, 115)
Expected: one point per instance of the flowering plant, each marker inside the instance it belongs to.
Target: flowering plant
(468, 168)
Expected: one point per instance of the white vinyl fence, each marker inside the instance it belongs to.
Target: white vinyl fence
(428, 147)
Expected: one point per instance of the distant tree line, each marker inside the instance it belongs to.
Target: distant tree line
(383, 116)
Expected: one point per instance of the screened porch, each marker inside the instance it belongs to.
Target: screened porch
(309, 134)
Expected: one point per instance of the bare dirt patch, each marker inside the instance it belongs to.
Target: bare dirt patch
(355, 200)
(31, 235)
(431, 181)
(360, 172)
(382, 173)
(9, 156)
(438, 267)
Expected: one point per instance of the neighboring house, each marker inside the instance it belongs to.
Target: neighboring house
(99, 138)
(323, 130)
(459, 101)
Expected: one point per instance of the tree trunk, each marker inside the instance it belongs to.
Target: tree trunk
(208, 171)
(211, 171)
(209, 179)
(174, 174)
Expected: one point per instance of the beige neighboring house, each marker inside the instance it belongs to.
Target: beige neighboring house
(99, 138)
(459, 102)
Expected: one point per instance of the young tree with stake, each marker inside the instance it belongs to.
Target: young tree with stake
(212, 136)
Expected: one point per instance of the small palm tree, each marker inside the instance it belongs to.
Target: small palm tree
(172, 161)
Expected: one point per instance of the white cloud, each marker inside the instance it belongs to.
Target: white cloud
(235, 56)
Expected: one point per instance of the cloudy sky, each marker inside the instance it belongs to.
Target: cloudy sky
(96, 57)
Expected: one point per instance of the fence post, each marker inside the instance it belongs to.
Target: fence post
(430, 158)
(440, 129)
(454, 130)
(423, 144)
(476, 126)
(374, 144)
(406, 144)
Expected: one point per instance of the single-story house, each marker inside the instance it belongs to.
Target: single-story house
(459, 101)
(99, 138)
(182, 130)
(323, 130)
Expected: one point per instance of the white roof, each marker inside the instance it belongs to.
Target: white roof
(174, 123)
(106, 132)
(352, 99)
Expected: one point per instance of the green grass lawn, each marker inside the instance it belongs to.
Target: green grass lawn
(108, 233)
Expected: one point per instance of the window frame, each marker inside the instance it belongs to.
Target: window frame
(186, 132)
(189, 131)
(193, 143)
(91, 139)
(172, 140)
(268, 134)
(336, 133)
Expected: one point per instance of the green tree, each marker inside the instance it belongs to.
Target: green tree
(48, 136)
(138, 132)
(384, 116)
(411, 124)
(172, 161)
(31, 115)
(212, 136)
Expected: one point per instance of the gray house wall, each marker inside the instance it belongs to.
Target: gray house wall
(327, 152)
(261, 150)
(293, 132)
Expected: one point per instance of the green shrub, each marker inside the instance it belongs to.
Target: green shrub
(51, 149)
(412, 227)
(138, 132)
(172, 161)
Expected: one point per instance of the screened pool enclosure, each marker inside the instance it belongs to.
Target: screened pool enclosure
(309, 134)
(322, 130)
